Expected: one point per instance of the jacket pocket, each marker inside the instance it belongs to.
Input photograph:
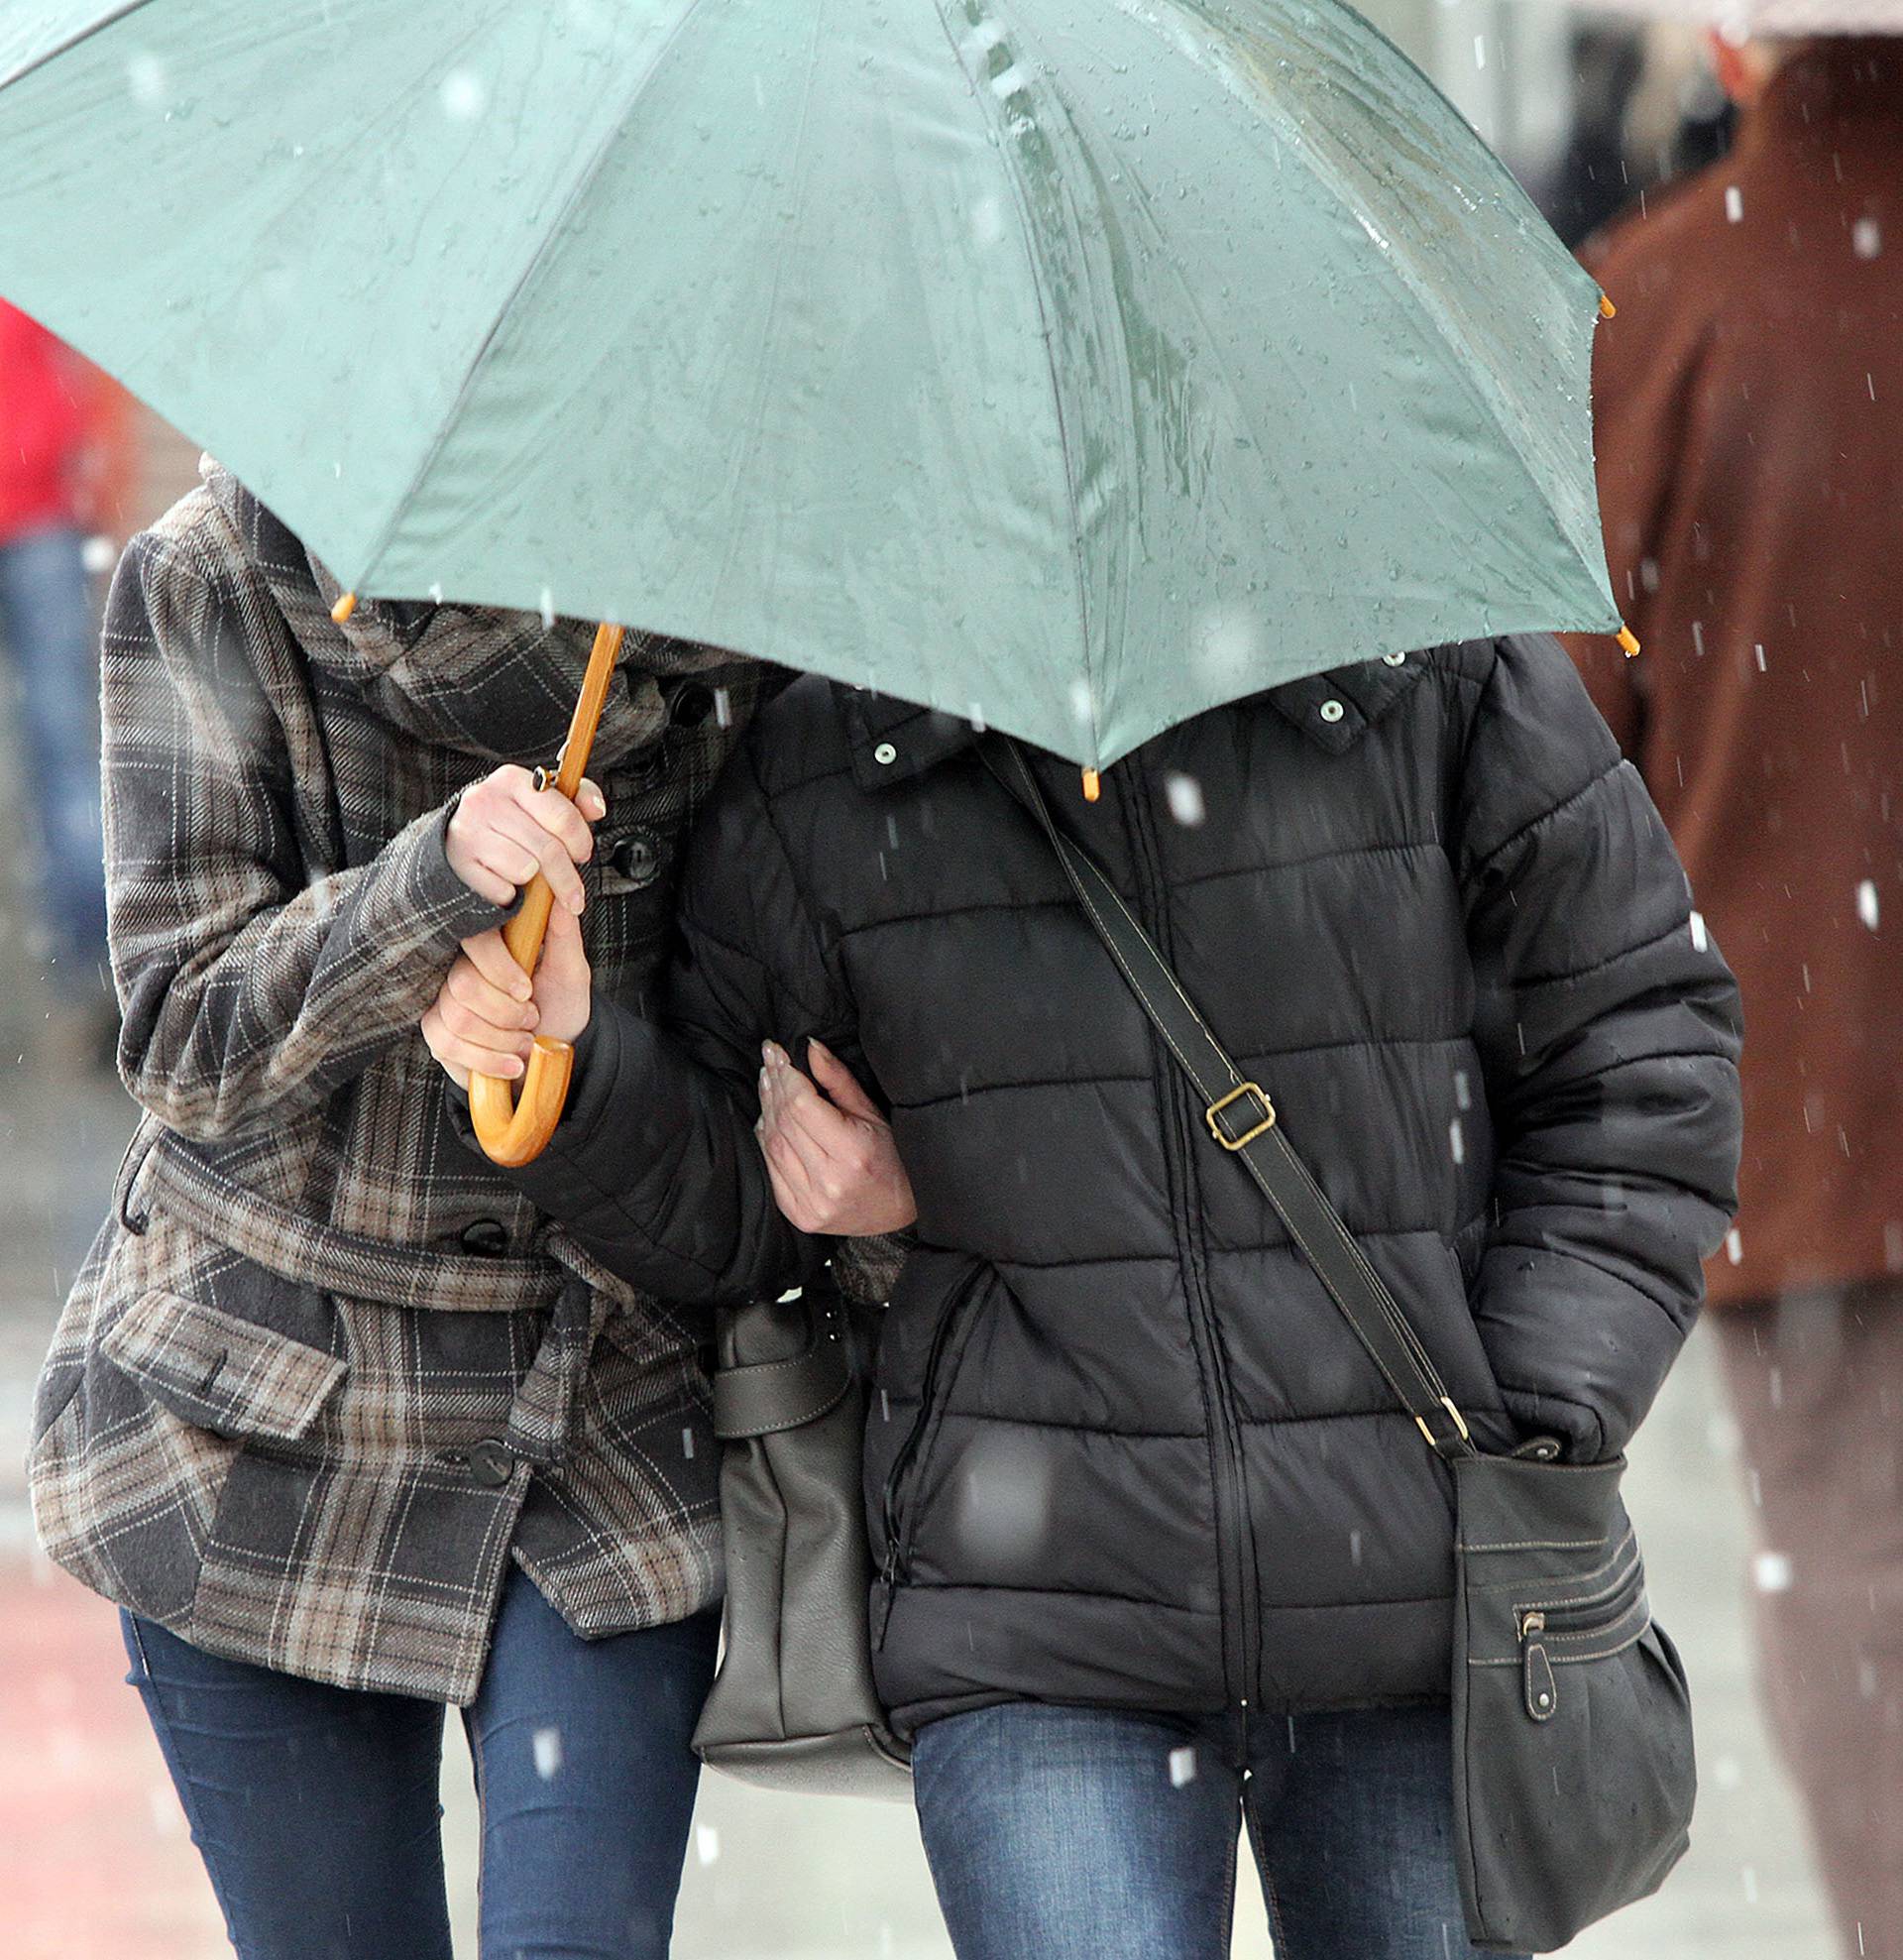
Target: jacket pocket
(908, 1465)
(219, 1372)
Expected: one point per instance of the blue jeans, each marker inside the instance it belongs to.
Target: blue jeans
(47, 628)
(315, 1809)
(1090, 1834)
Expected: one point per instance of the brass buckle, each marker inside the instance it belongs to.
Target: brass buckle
(1460, 1425)
(1215, 1109)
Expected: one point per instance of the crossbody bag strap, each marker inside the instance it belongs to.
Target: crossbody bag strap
(1241, 1119)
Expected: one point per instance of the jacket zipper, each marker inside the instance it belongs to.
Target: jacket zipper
(1234, 1531)
(896, 1568)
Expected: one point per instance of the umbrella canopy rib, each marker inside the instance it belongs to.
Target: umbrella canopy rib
(589, 176)
(75, 39)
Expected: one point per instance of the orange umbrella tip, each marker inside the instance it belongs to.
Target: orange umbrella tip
(1606, 308)
(343, 608)
(1629, 640)
(1093, 785)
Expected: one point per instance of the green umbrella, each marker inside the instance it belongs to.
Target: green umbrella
(1076, 364)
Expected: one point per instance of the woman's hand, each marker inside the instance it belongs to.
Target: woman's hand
(505, 830)
(829, 1154)
(486, 1014)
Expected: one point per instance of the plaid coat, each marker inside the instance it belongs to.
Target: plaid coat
(325, 1372)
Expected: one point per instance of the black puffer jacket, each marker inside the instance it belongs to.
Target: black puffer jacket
(1125, 1451)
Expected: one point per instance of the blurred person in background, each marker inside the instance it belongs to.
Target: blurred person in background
(1749, 401)
(63, 464)
(1645, 108)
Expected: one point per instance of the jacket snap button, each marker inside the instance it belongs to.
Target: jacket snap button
(491, 1465)
(1332, 711)
(885, 755)
(637, 858)
(1393, 659)
(487, 1238)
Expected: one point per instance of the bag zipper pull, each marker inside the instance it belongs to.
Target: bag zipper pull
(1542, 1689)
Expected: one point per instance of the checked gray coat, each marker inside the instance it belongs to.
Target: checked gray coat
(325, 1372)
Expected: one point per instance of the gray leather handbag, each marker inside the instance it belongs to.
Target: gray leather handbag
(1572, 1724)
(793, 1706)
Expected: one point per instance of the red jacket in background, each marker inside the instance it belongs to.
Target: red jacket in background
(44, 426)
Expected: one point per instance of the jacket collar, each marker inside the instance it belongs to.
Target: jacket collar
(893, 742)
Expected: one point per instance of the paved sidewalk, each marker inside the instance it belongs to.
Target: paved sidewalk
(95, 1863)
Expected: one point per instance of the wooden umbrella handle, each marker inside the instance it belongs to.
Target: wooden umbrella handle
(516, 1130)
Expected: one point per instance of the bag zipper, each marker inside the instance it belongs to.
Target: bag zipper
(897, 1564)
(1537, 1627)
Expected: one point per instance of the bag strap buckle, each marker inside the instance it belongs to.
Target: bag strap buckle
(1459, 1443)
(1221, 1131)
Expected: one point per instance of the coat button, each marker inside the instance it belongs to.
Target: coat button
(637, 856)
(692, 704)
(1393, 659)
(492, 1463)
(1332, 711)
(885, 755)
(487, 1238)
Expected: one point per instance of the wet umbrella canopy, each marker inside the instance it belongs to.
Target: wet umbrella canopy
(1075, 363)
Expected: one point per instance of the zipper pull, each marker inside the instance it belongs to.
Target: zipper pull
(1542, 1689)
(889, 1578)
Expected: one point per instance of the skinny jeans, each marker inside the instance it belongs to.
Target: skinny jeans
(316, 1810)
(1092, 1834)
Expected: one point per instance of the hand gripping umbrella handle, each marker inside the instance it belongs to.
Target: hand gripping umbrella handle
(516, 1130)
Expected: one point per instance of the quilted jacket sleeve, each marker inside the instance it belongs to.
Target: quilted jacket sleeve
(654, 1168)
(249, 993)
(1608, 1029)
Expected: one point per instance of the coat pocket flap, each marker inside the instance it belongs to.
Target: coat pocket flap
(219, 1372)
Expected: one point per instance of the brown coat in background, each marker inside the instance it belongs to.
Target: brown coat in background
(1750, 407)
(1749, 410)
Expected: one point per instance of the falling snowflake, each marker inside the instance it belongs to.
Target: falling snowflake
(145, 78)
(1700, 940)
(1771, 1571)
(548, 1754)
(465, 95)
(707, 1843)
(1866, 238)
(1185, 798)
(1866, 903)
(1183, 1767)
(1734, 203)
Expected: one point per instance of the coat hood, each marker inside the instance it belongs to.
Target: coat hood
(493, 683)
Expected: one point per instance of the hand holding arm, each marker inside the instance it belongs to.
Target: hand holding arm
(829, 1154)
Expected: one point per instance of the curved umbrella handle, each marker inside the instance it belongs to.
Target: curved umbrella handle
(516, 1130)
